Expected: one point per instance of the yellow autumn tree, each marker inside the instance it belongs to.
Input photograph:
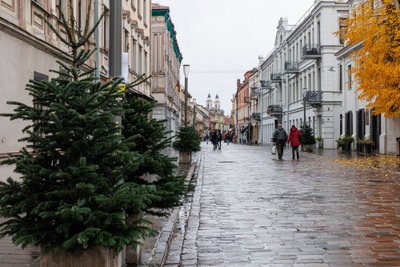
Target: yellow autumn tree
(376, 25)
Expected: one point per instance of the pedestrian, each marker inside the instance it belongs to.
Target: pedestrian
(214, 139)
(228, 138)
(219, 139)
(279, 138)
(294, 140)
(207, 137)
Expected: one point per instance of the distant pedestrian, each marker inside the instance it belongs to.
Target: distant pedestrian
(294, 140)
(214, 139)
(228, 138)
(279, 138)
(207, 137)
(219, 139)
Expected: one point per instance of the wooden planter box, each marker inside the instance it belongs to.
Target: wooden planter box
(94, 257)
(185, 157)
(308, 148)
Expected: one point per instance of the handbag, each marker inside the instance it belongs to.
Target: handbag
(273, 150)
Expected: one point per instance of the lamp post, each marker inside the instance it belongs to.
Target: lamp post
(186, 69)
(194, 113)
(304, 105)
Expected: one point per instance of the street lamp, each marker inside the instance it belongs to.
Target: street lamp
(304, 105)
(194, 113)
(186, 69)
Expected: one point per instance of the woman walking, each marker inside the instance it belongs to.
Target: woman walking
(294, 140)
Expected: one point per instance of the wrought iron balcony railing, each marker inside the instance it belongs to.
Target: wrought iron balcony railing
(274, 110)
(291, 67)
(256, 116)
(311, 51)
(276, 77)
(314, 98)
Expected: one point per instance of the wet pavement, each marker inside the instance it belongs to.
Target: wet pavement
(250, 209)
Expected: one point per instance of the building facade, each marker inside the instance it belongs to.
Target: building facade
(298, 79)
(165, 66)
(356, 120)
(23, 28)
(243, 108)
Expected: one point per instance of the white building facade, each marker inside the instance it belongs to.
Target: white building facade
(356, 119)
(303, 67)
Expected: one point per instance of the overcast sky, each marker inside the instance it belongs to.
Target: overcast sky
(222, 39)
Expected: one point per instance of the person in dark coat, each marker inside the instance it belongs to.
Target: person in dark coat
(279, 138)
(219, 139)
(294, 140)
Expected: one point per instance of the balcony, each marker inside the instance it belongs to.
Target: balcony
(291, 67)
(276, 77)
(311, 51)
(274, 110)
(314, 98)
(256, 116)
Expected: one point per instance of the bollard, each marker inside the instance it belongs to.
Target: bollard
(398, 146)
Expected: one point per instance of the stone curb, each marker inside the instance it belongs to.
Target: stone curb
(161, 247)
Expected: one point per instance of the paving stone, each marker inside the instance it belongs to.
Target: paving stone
(254, 210)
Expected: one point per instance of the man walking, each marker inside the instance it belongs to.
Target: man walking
(279, 138)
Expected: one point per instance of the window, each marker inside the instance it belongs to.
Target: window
(106, 30)
(134, 55)
(80, 15)
(140, 70)
(341, 124)
(145, 63)
(145, 11)
(63, 7)
(126, 41)
(349, 80)
(38, 77)
(139, 7)
(342, 29)
(340, 78)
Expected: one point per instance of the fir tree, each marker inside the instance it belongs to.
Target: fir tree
(307, 136)
(156, 169)
(81, 177)
(187, 140)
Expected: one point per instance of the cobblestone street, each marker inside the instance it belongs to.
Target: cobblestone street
(250, 209)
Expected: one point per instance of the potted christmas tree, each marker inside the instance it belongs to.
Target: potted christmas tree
(307, 138)
(187, 141)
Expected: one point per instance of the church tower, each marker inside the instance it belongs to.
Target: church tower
(217, 103)
(209, 102)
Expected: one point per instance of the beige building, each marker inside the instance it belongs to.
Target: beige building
(165, 66)
(29, 49)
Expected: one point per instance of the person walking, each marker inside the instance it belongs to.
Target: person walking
(214, 139)
(279, 138)
(294, 140)
(219, 138)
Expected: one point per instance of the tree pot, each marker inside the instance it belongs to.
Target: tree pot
(347, 147)
(307, 148)
(368, 149)
(320, 144)
(185, 157)
(360, 148)
(93, 257)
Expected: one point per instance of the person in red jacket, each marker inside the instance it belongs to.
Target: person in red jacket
(294, 140)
